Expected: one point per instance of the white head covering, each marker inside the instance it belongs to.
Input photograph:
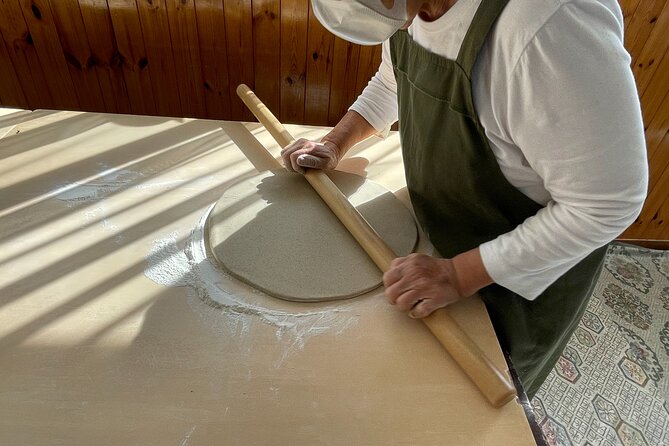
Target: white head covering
(365, 22)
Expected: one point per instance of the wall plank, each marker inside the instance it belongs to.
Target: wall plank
(647, 59)
(657, 129)
(641, 24)
(320, 52)
(105, 55)
(39, 19)
(21, 51)
(214, 56)
(160, 59)
(186, 50)
(132, 55)
(239, 33)
(629, 7)
(80, 62)
(41, 35)
(657, 88)
(366, 68)
(294, 23)
(267, 52)
(11, 92)
(344, 77)
(657, 137)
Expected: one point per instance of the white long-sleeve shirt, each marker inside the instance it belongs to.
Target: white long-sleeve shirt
(554, 92)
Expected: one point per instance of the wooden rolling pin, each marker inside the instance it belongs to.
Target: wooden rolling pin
(494, 385)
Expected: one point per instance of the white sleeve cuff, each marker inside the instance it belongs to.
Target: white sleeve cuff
(520, 281)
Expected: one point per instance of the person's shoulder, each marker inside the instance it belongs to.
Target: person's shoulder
(522, 21)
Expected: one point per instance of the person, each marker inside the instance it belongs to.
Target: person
(523, 147)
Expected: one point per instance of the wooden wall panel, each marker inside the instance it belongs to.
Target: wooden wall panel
(294, 22)
(640, 23)
(186, 50)
(320, 51)
(367, 66)
(239, 33)
(648, 43)
(651, 101)
(186, 58)
(267, 52)
(178, 58)
(214, 56)
(648, 57)
(44, 36)
(657, 130)
(132, 56)
(629, 8)
(74, 42)
(23, 55)
(11, 92)
(652, 223)
(105, 56)
(160, 59)
(344, 77)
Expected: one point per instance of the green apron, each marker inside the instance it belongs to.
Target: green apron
(462, 199)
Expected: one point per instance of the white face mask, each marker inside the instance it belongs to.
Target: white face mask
(365, 22)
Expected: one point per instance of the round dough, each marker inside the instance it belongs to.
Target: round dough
(275, 233)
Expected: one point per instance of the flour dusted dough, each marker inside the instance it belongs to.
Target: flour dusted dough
(275, 233)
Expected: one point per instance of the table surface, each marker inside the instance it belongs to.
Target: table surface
(105, 337)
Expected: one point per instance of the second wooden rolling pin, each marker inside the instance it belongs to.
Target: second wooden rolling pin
(494, 385)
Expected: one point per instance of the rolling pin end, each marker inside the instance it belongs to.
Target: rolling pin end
(502, 401)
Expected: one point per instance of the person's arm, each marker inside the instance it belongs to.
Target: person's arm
(374, 111)
(572, 107)
(570, 104)
(350, 130)
(327, 153)
(420, 284)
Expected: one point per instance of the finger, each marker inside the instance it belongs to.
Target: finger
(287, 154)
(327, 160)
(391, 276)
(312, 162)
(293, 159)
(408, 300)
(287, 151)
(397, 261)
(290, 148)
(423, 309)
(394, 292)
(287, 162)
(295, 145)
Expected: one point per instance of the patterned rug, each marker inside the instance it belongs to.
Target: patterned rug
(610, 386)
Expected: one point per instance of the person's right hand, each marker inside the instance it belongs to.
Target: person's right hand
(309, 154)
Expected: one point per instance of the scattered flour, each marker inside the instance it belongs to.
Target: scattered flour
(171, 266)
(109, 180)
(99, 213)
(159, 184)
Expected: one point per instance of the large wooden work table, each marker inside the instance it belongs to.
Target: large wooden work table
(103, 339)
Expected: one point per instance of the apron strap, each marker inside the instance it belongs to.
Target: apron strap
(485, 17)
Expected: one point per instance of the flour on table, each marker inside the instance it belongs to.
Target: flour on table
(99, 213)
(170, 265)
(107, 181)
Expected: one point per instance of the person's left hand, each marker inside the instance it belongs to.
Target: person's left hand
(420, 284)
